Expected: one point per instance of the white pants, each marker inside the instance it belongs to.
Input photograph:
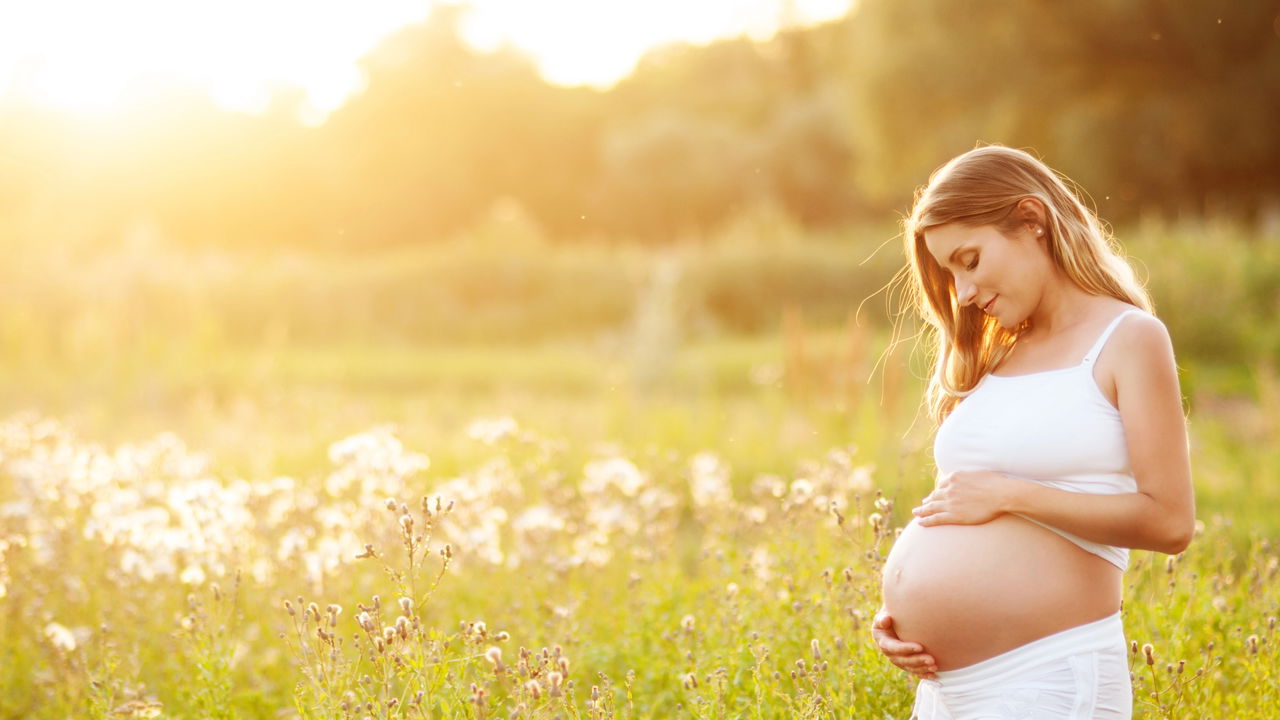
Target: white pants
(1081, 673)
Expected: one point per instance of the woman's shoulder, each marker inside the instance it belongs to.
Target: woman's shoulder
(1128, 320)
(1138, 325)
(1140, 339)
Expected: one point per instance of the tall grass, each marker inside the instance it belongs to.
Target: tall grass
(673, 480)
(643, 582)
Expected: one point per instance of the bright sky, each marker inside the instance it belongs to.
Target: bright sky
(94, 55)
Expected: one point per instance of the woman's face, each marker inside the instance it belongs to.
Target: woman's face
(1003, 276)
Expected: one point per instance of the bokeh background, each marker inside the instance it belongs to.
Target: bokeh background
(636, 228)
(203, 208)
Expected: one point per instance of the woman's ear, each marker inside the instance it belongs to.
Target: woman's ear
(1033, 216)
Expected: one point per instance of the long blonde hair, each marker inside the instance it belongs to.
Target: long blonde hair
(983, 187)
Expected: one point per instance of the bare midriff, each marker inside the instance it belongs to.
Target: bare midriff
(970, 592)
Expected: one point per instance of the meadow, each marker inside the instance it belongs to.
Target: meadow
(636, 487)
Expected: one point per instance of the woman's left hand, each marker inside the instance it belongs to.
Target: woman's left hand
(966, 498)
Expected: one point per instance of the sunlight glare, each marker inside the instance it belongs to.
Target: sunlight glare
(92, 56)
(97, 57)
(589, 42)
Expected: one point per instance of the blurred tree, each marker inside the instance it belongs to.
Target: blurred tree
(669, 175)
(442, 131)
(809, 158)
(1161, 104)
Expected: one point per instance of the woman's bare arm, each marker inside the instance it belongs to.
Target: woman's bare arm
(1159, 516)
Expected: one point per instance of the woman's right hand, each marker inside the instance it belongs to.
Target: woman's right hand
(909, 656)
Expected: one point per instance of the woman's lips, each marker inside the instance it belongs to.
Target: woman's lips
(990, 303)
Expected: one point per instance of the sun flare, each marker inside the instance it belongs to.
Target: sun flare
(96, 57)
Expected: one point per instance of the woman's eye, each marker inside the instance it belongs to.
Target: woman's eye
(973, 264)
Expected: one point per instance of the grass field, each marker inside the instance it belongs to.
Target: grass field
(629, 553)
(648, 524)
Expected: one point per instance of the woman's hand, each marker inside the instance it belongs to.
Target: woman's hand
(966, 498)
(906, 655)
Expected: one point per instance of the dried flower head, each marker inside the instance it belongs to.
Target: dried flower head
(60, 637)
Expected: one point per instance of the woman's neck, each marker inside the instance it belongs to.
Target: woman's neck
(1062, 306)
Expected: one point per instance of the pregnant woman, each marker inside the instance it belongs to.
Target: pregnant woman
(1061, 443)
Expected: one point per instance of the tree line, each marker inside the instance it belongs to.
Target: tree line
(1160, 106)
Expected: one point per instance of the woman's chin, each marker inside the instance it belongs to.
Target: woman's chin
(1007, 321)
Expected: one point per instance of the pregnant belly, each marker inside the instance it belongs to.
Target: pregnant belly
(970, 592)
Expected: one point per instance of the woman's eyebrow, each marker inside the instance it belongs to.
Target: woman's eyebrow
(952, 259)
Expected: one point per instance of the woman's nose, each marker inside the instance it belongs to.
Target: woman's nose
(965, 292)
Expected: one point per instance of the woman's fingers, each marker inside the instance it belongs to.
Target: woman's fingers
(907, 656)
(887, 640)
(922, 664)
(890, 645)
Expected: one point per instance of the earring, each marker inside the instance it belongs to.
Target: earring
(1039, 231)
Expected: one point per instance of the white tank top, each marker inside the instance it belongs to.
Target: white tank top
(1054, 427)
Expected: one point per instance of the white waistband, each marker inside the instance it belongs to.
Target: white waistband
(1097, 635)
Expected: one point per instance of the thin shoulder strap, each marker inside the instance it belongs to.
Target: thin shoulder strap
(1102, 339)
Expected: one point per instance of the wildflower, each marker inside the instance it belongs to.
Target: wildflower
(60, 637)
(192, 575)
(731, 590)
(406, 606)
(555, 679)
(368, 552)
(492, 430)
(687, 623)
(709, 480)
(534, 689)
(801, 490)
(1251, 644)
(813, 647)
(366, 622)
(288, 607)
(690, 681)
(1149, 653)
(615, 472)
(494, 656)
(406, 523)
